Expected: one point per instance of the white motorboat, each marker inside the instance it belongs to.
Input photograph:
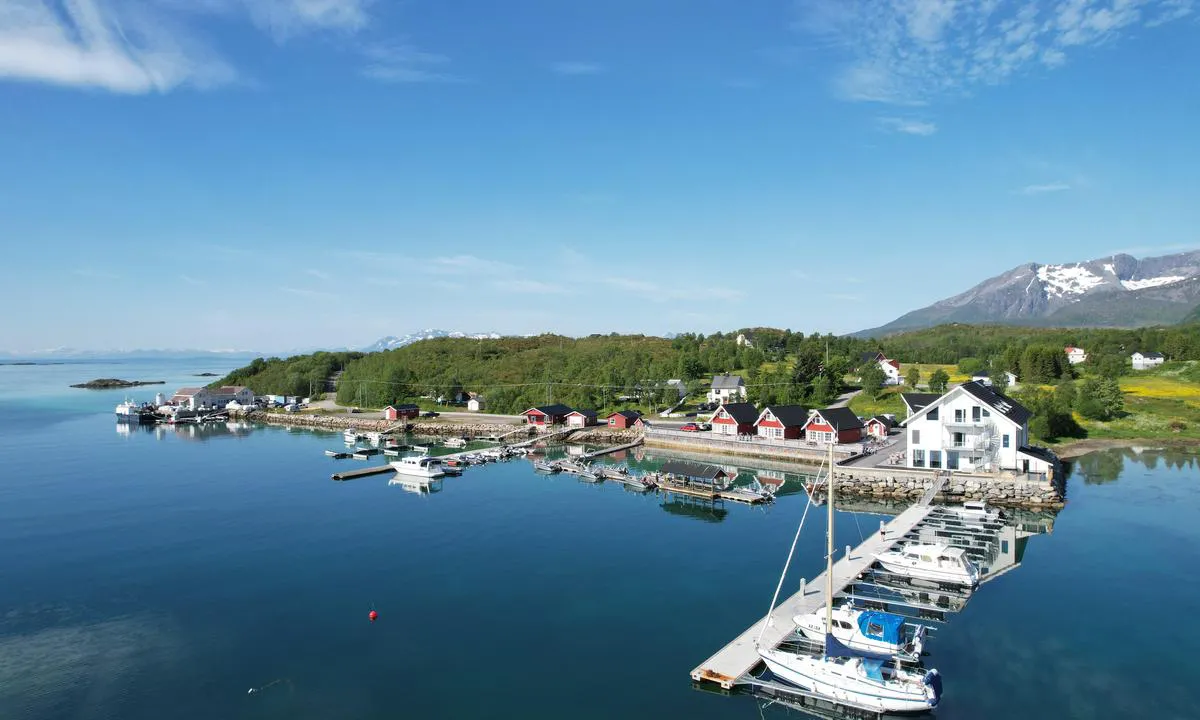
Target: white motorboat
(941, 563)
(455, 442)
(975, 510)
(868, 630)
(845, 674)
(419, 466)
(350, 436)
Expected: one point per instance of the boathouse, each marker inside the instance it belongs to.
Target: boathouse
(623, 419)
(734, 419)
(700, 473)
(555, 414)
(581, 418)
(782, 422)
(834, 425)
(406, 411)
(879, 426)
(475, 402)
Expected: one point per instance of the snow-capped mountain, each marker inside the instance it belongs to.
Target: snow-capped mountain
(1115, 291)
(391, 342)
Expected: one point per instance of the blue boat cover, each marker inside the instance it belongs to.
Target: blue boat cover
(873, 669)
(881, 626)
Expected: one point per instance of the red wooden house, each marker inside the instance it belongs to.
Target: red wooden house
(547, 415)
(734, 419)
(407, 411)
(782, 422)
(581, 418)
(838, 425)
(879, 426)
(623, 419)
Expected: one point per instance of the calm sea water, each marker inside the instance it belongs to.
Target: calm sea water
(164, 574)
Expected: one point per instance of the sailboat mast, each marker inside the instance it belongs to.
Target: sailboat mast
(829, 548)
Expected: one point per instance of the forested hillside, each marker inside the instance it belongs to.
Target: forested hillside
(302, 375)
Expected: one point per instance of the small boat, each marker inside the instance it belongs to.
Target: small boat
(419, 466)
(589, 476)
(455, 442)
(870, 631)
(373, 437)
(976, 510)
(350, 435)
(546, 467)
(941, 563)
(337, 454)
(637, 484)
(392, 452)
(451, 470)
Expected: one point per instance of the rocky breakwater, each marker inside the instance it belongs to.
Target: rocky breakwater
(1003, 490)
(604, 436)
(440, 428)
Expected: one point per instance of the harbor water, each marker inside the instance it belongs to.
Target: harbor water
(168, 573)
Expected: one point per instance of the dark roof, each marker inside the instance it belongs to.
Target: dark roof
(887, 421)
(916, 401)
(1002, 404)
(789, 415)
(981, 373)
(1150, 355)
(693, 470)
(1040, 453)
(742, 412)
(585, 413)
(727, 382)
(405, 406)
(871, 356)
(627, 414)
(555, 409)
(841, 418)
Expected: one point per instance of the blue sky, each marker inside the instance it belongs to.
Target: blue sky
(272, 174)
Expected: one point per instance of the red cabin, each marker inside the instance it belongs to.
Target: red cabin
(547, 415)
(782, 422)
(623, 419)
(407, 411)
(836, 425)
(734, 419)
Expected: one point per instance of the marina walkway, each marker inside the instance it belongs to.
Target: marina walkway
(612, 449)
(739, 657)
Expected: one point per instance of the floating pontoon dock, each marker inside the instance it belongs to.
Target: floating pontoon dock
(364, 472)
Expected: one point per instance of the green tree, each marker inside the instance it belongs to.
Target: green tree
(1100, 399)
(873, 379)
(823, 391)
(969, 365)
(938, 381)
(999, 377)
(913, 377)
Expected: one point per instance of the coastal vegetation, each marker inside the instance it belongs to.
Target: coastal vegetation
(110, 383)
(301, 375)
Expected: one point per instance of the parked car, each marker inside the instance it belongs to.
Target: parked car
(690, 427)
(705, 426)
(429, 414)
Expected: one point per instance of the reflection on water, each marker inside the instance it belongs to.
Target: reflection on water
(188, 431)
(1106, 466)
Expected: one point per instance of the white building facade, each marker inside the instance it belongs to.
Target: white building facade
(1076, 355)
(727, 388)
(971, 428)
(1146, 360)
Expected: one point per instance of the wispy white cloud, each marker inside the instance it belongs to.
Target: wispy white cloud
(908, 126)
(532, 287)
(1044, 189)
(907, 52)
(145, 46)
(468, 264)
(308, 292)
(319, 274)
(404, 63)
(577, 67)
(192, 281)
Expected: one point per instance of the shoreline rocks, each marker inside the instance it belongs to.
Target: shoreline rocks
(110, 383)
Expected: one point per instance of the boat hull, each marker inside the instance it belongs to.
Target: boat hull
(842, 684)
(417, 471)
(812, 626)
(900, 567)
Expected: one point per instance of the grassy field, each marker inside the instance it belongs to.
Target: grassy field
(1159, 404)
(864, 405)
(928, 369)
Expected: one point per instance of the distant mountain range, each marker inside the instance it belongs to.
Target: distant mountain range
(391, 342)
(1115, 291)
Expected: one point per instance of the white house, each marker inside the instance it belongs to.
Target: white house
(744, 341)
(891, 369)
(727, 388)
(975, 429)
(1146, 360)
(194, 398)
(982, 377)
(1075, 355)
(475, 402)
(1010, 378)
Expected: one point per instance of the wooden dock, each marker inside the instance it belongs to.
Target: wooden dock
(363, 472)
(610, 450)
(739, 657)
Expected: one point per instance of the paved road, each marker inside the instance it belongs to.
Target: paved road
(844, 399)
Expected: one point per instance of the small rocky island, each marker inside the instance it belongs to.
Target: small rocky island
(205, 375)
(110, 383)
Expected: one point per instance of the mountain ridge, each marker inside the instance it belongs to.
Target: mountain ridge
(1114, 291)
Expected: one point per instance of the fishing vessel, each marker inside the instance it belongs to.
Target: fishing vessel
(131, 412)
(350, 436)
(842, 673)
(869, 630)
(931, 562)
(419, 466)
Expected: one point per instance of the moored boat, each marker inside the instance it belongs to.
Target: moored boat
(941, 563)
(870, 631)
(419, 466)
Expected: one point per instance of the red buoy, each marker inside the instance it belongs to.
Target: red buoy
(373, 615)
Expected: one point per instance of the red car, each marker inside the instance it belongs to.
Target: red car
(690, 427)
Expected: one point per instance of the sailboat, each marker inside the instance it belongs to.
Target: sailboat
(848, 675)
(872, 631)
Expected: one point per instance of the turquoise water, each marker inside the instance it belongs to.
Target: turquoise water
(157, 574)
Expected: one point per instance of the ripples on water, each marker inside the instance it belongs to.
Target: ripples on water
(153, 575)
